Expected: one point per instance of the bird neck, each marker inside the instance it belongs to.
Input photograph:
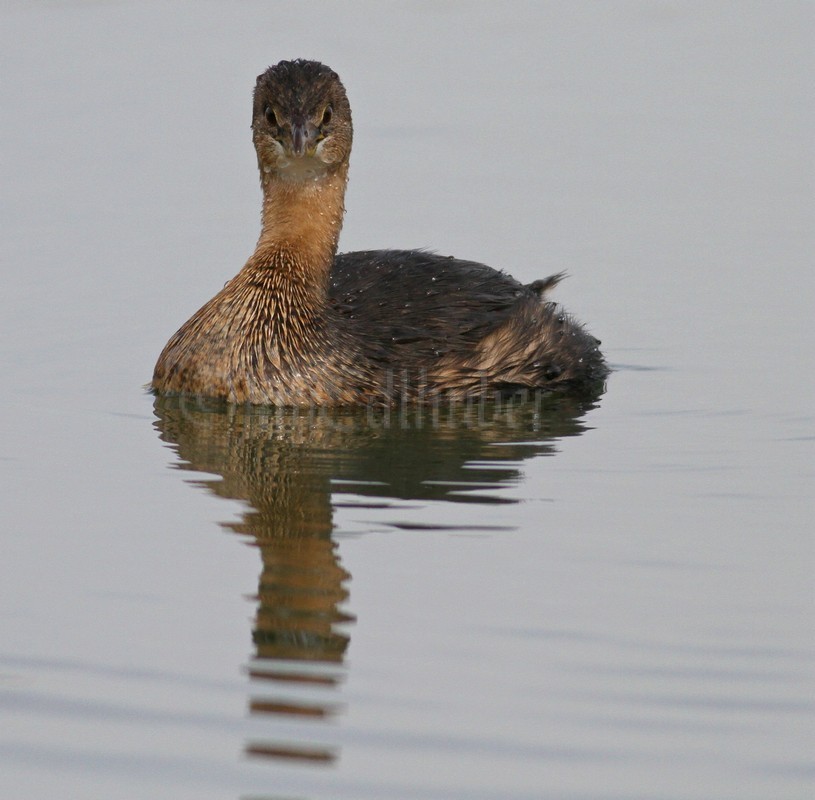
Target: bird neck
(301, 223)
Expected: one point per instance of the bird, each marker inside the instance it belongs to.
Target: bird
(301, 325)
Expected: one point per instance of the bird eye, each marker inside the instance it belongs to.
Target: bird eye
(327, 115)
(271, 117)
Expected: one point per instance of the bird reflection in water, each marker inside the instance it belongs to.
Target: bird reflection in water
(291, 467)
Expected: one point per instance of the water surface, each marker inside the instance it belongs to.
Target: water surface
(588, 600)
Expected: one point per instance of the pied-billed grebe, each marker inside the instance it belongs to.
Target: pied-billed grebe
(302, 325)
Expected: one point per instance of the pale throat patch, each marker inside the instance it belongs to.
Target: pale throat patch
(309, 167)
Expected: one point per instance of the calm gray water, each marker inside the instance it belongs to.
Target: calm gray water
(578, 601)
